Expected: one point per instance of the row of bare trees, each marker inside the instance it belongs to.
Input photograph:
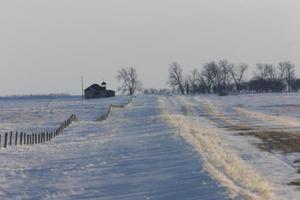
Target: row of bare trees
(224, 77)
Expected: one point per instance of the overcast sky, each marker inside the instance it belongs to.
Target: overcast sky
(45, 46)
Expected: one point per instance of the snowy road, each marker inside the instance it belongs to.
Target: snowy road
(132, 155)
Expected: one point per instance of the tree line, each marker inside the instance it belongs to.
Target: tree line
(224, 77)
(221, 78)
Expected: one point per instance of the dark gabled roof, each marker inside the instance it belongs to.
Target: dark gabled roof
(95, 87)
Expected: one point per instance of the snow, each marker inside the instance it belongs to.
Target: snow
(240, 179)
(266, 112)
(38, 115)
(175, 147)
(131, 155)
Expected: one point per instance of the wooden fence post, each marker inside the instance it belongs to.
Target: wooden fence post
(5, 140)
(28, 139)
(10, 138)
(21, 138)
(24, 139)
(35, 138)
(16, 139)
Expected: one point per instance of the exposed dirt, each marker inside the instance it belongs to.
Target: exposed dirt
(272, 140)
(239, 128)
(294, 183)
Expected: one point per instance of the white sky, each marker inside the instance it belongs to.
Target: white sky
(45, 46)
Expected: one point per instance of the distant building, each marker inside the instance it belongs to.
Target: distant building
(98, 91)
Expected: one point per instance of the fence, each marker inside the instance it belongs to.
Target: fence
(22, 138)
(110, 107)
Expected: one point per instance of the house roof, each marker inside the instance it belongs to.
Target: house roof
(95, 87)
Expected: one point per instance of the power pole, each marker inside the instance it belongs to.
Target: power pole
(82, 95)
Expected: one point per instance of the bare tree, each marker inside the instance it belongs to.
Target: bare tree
(129, 79)
(176, 77)
(237, 73)
(260, 72)
(224, 78)
(267, 79)
(265, 72)
(210, 73)
(287, 73)
(194, 79)
(187, 85)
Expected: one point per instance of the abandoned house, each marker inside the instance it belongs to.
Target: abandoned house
(98, 91)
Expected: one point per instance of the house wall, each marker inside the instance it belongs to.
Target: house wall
(89, 94)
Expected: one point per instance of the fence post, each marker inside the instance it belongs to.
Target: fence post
(21, 138)
(35, 138)
(16, 139)
(10, 138)
(24, 139)
(28, 139)
(5, 140)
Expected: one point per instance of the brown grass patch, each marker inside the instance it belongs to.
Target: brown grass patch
(294, 183)
(283, 141)
(239, 128)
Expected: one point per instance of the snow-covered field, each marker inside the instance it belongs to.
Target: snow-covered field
(158, 147)
(261, 130)
(36, 115)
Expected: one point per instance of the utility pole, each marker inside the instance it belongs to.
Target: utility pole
(82, 95)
